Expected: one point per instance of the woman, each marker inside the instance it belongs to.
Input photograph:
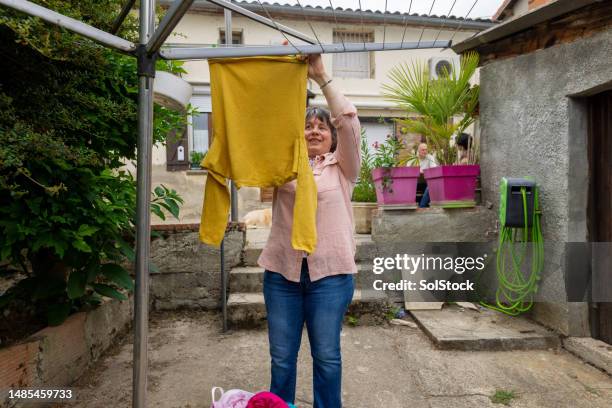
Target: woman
(315, 289)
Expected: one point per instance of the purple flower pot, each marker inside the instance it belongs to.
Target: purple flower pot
(401, 188)
(452, 186)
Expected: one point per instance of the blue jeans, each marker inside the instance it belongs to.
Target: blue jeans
(321, 305)
(425, 199)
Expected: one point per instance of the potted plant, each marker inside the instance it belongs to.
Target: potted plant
(447, 106)
(196, 159)
(364, 193)
(395, 183)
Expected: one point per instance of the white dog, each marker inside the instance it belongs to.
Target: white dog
(258, 218)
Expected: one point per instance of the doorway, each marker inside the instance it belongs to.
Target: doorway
(599, 208)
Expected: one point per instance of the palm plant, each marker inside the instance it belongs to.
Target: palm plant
(446, 106)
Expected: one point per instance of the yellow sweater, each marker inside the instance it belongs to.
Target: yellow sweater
(258, 107)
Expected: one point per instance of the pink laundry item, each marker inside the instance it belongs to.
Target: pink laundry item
(266, 399)
(231, 399)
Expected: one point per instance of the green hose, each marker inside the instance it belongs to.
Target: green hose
(515, 293)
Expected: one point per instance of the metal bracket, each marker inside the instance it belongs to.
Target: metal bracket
(146, 61)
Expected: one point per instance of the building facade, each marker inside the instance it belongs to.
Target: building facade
(359, 75)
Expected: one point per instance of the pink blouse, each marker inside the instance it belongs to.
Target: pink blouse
(335, 175)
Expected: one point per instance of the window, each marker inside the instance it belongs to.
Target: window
(376, 131)
(353, 64)
(236, 37)
(201, 140)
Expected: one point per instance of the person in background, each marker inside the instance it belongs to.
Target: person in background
(463, 142)
(426, 161)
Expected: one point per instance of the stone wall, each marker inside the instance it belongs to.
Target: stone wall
(57, 356)
(188, 273)
(433, 231)
(533, 124)
(434, 225)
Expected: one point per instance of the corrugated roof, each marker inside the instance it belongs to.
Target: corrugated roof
(369, 11)
(390, 17)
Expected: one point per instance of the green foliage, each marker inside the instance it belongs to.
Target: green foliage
(502, 397)
(437, 102)
(165, 199)
(386, 153)
(352, 320)
(196, 158)
(68, 121)
(391, 312)
(386, 156)
(365, 191)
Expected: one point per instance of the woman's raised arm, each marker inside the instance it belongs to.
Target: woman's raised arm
(344, 119)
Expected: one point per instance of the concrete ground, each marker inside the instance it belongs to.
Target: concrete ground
(384, 366)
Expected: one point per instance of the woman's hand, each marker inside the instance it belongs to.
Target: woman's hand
(316, 70)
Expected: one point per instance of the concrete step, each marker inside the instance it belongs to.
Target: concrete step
(592, 350)
(251, 253)
(366, 250)
(248, 309)
(455, 328)
(246, 279)
(249, 279)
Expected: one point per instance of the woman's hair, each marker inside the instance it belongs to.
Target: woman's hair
(324, 116)
(463, 140)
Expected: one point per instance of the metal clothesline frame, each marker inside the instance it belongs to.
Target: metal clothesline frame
(146, 51)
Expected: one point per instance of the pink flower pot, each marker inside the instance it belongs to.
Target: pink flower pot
(402, 186)
(452, 186)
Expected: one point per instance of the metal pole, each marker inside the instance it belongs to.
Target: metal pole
(210, 52)
(223, 285)
(172, 17)
(71, 24)
(227, 5)
(122, 15)
(143, 221)
(228, 41)
(234, 194)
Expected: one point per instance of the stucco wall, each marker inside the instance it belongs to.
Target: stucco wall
(204, 29)
(532, 124)
(190, 186)
(199, 29)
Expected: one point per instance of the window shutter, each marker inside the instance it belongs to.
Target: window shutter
(353, 64)
(266, 194)
(175, 159)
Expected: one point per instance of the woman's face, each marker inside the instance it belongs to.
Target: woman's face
(318, 137)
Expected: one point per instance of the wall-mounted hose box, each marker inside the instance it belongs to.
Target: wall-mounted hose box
(513, 204)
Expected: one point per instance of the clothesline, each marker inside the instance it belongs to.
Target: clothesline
(360, 10)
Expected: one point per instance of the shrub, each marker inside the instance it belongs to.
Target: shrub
(365, 191)
(68, 120)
